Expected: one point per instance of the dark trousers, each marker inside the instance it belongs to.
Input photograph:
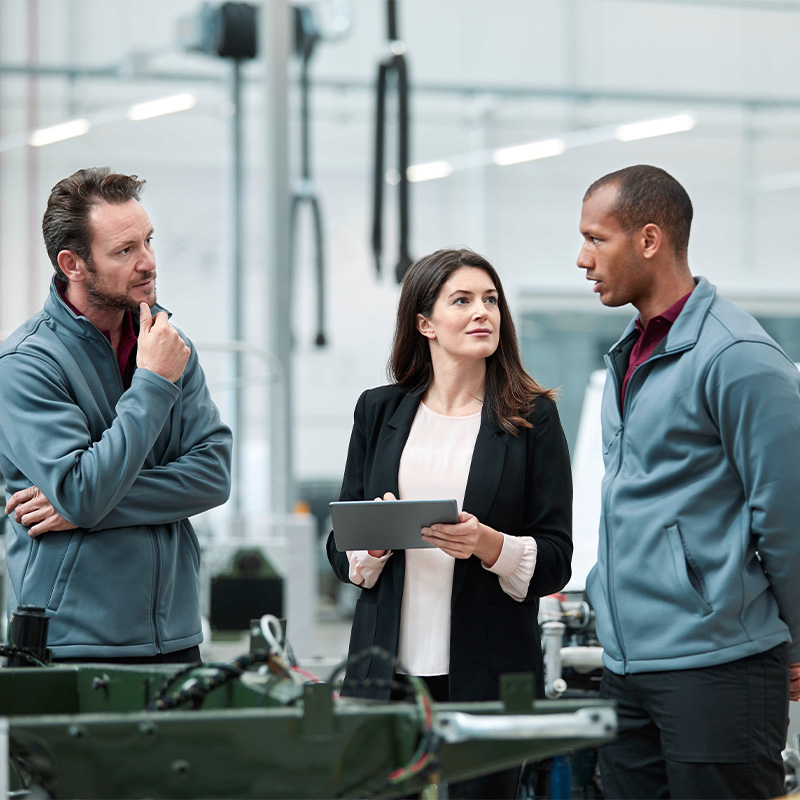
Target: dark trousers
(715, 732)
(191, 655)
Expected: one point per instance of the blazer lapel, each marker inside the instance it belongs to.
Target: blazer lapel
(485, 469)
(483, 482)
(390, 447)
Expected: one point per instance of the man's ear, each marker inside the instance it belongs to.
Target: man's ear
(652, 239)
(424, 326)
(71, 265)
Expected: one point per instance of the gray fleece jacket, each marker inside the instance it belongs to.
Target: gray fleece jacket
(128, 467)
(699, 555)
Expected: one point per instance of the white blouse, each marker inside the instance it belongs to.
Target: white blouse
(435, 464)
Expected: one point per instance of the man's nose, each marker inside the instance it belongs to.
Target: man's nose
(584, 261)
(147, 262)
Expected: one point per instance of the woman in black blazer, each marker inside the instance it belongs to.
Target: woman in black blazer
(458, 384)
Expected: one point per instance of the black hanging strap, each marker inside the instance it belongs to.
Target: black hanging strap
(306, 38)
(394, 67)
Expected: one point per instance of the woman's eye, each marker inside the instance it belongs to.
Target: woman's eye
(492, 299)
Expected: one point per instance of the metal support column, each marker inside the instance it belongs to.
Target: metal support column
(236, 299)
(276, 46)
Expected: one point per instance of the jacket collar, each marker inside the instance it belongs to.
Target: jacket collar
(686, 329)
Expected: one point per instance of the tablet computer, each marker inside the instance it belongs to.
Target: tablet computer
(387, 524)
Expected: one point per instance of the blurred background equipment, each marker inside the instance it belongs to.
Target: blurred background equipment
(307, 36)
(392, 75)
(249, 589)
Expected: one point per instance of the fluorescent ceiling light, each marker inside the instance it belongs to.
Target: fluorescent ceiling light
(420, 172)
(57, 133)
(529, 152)
(545, 148)
(166, 105)
(429, 171)
(654, 127)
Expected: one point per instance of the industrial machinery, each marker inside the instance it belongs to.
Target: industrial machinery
(572, 655)
(260, 727)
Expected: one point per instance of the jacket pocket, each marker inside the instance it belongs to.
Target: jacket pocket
(690, 579)
(186, 530)
(65, 570)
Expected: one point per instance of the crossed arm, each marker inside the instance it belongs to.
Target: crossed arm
(35, 512)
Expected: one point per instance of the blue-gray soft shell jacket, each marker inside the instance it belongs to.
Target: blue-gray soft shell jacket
(699, 553)
(127, 467)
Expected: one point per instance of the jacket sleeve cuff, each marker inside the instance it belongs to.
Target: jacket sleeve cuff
(168, 387)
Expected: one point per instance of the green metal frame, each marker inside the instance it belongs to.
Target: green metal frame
(85, 732)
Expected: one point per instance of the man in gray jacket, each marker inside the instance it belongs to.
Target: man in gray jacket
(109, 440)
(697, 585)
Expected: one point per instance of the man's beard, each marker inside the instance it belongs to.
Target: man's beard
(100, 298)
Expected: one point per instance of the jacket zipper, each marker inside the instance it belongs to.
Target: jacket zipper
(612, 598)
(114, 362)
(153, 534)
(156, 589)
(619, 438)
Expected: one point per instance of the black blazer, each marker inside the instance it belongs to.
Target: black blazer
(520, 485)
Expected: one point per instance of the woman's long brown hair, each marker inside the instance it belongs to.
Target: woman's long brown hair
(510, 392)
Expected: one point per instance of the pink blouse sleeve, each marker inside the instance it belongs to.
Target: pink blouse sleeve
(366, 569)
(514, 567)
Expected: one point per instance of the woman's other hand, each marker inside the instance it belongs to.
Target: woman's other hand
(468, 537)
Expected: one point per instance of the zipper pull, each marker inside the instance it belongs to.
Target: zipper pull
(617, 434)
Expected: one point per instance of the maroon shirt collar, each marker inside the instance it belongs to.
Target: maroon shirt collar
(670, 315)
(126, 360)
(649, 338)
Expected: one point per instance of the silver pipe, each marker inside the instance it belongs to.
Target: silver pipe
(585, 723)
(582, 658)
(585, 94)
(552, 637)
